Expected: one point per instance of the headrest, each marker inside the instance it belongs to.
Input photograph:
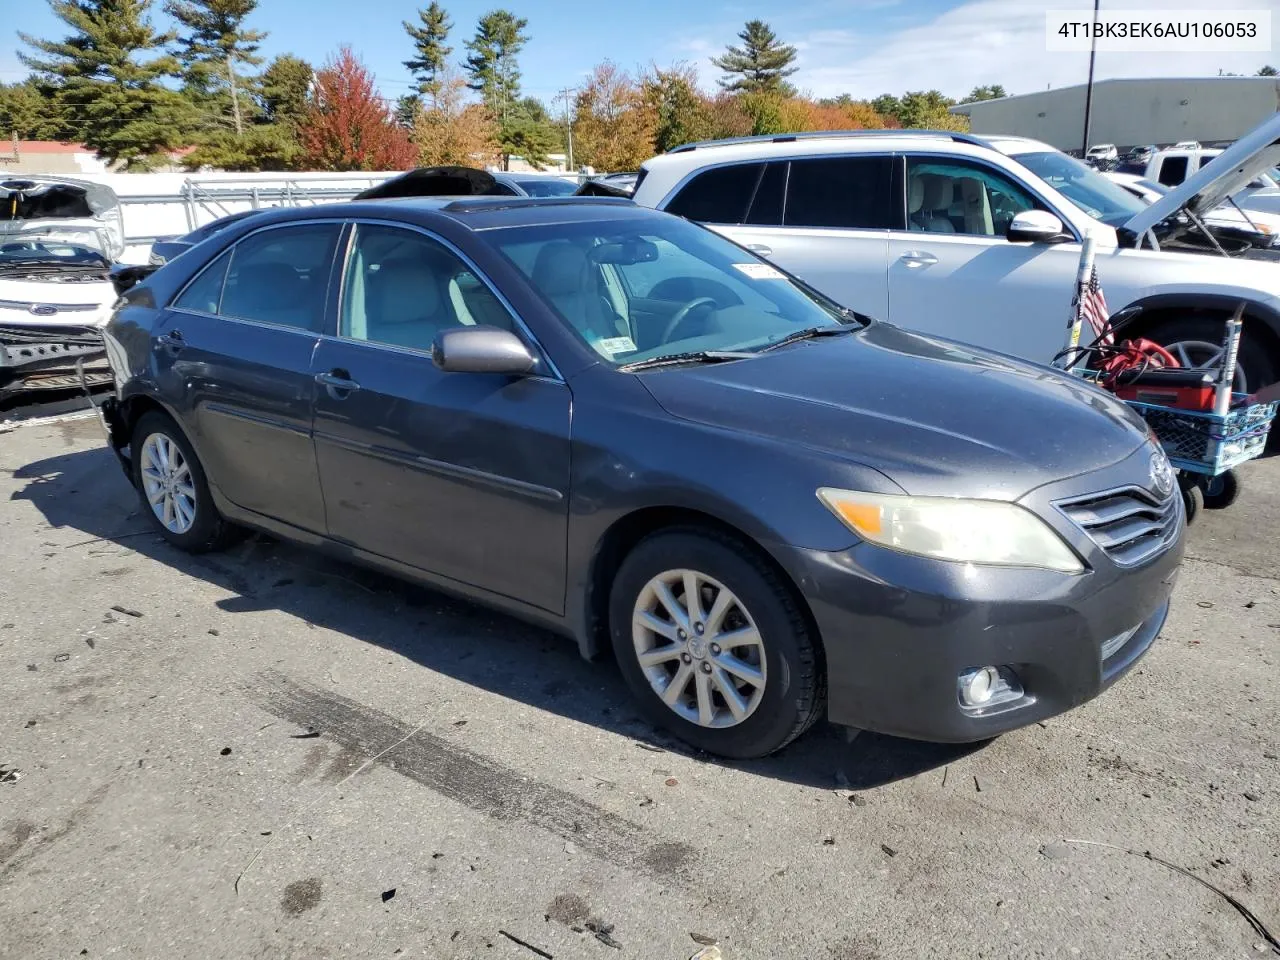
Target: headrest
(915, 195)
(561, 268)
(938, 191)
(406, 291)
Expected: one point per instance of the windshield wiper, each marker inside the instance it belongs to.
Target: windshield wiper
(693, 356)
(809, 333)
(52, 263)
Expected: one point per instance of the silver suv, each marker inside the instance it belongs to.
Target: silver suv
(978, 238)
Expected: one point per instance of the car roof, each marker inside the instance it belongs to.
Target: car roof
(474, 213)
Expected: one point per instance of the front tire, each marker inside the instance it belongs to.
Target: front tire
(736, 673)
(172, 486)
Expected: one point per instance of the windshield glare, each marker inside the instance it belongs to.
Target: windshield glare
(49, 250)
(1082, 185)
(651, 288)
(548, 187)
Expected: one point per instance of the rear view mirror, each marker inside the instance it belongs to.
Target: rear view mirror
(624, 252)
(1036, 226)
(481, 349)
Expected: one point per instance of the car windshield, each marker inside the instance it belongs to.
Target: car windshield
(1082, 185)
(547, 187)
(48, 251)
(643, 289)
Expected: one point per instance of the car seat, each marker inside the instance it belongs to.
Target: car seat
(927, 202)
(564, 275)
(271, 292)
(976, 206)
(405, 306)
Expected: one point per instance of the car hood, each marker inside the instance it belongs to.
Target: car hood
(938, 418)
(1226, 174)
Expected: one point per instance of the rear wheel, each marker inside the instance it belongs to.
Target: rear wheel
(713, 644)
(172, 487)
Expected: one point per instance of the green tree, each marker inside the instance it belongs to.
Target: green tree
(1267, 71)
(760, 65)
(887, 105)
(431, 52)
(26, 112)
(524, 135)
(107, 76)
(491, 64)
(286, 85)
(407, 108)
(927, 109)
(992, 92)
(217, 53)
(682, 113)
(262, 146)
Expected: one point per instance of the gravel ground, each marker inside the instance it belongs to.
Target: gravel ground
(264, 753)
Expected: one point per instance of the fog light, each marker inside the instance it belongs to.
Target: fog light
(978, 686)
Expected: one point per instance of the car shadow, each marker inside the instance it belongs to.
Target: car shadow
(86, 491)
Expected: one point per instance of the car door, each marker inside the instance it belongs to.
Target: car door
(954, 273)
(234, 352)
(464, 475)
(824, 219)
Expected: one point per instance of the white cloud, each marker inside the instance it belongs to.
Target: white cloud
(975, 43)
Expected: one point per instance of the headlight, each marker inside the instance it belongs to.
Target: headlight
(967, 531)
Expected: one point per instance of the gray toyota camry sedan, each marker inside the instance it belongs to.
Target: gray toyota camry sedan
(621, 426)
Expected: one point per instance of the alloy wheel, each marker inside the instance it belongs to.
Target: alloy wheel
(1203, 355)
(167, 483)
(699, 648)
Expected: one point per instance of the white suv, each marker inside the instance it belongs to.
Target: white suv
(978, 239)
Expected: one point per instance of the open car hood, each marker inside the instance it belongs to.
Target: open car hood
(434, 182)
(60, 208)
(1210, 186)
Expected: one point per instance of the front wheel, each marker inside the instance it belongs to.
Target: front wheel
(713, 644)
(172, 486)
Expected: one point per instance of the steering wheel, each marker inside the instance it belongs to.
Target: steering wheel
(682, 314)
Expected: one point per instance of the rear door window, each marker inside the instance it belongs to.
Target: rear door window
(281, 276)
(718, 195)
(851, 192)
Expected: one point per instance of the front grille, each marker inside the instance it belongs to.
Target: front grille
(1131, 525)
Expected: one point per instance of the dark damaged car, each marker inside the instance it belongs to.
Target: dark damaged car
(621, 426)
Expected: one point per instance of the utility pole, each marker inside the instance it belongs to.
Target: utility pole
(568, 125)
(1088, 90)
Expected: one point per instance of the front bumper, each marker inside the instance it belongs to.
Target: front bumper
(899, 630)
(49, 358)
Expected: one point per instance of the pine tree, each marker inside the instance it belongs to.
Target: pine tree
(215, 50)
(107, 77)
(27, 112)
(429, 44)
(286, 85)
(760, 65)
(491, 64)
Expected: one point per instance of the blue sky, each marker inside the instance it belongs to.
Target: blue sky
(863, 47)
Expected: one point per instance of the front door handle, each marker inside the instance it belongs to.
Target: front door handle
(338, 383)
(918, 258)
(762, 249)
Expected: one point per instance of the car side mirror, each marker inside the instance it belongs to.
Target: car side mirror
(1036, 226)
(481, 349)
(126, 276)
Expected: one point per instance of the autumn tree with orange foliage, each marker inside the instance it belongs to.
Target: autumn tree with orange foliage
(613, 125)
(348, 126)
(453, 131)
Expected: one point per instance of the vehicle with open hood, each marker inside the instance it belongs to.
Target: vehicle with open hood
(979, 238)
(59, 239)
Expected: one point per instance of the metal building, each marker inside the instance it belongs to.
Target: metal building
(1133, 112)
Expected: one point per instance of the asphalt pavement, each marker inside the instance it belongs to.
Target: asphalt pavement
(263, 753)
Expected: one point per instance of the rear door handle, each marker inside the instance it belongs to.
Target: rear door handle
(762, 249)
(172, 341)
(918, 258)
(338, 383)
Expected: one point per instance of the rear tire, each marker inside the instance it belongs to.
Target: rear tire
(172, 486)
(774, 679)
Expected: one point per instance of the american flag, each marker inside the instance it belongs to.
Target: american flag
(1093, 308)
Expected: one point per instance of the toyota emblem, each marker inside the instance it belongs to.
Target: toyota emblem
(42, 309)
(1162, 480)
